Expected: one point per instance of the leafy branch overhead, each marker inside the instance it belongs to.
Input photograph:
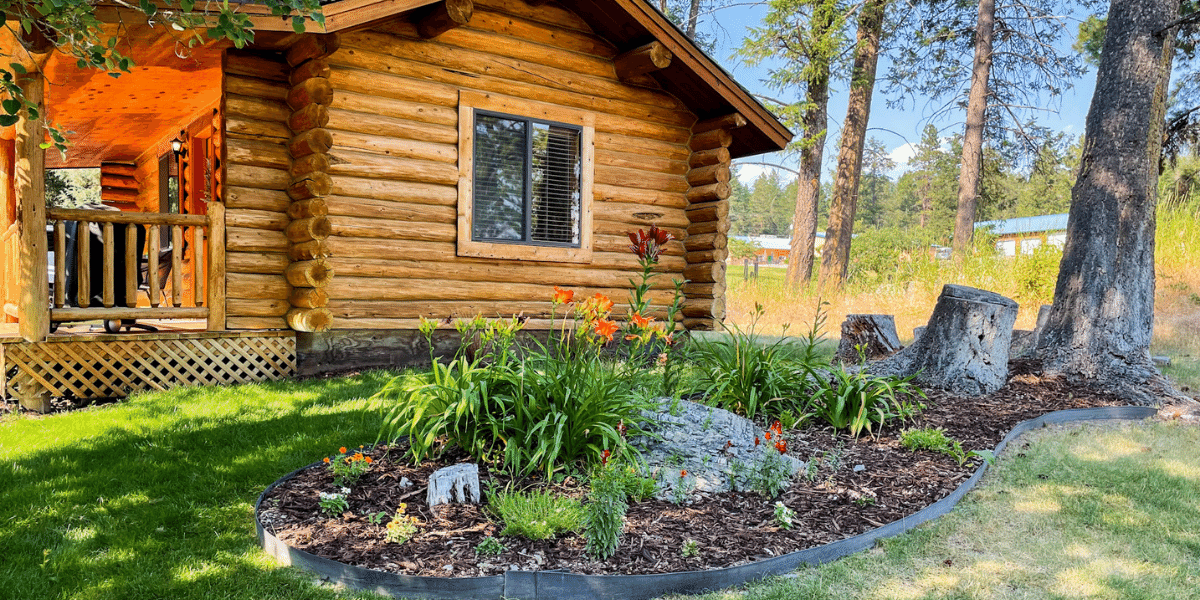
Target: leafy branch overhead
(72, 28)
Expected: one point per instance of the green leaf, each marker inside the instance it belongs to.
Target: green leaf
(298, 24)
(187, 5)
(18, 68)
(11, 106)
(6, 120)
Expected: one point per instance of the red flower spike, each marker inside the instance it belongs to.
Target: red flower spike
(777, 427)
(604, 458)
(781, 446)
(683, 473)
(756, 442)
(767, 433)
(649, 245)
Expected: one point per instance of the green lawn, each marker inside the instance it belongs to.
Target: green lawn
(153, 498)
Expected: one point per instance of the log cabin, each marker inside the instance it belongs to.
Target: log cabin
(297, 205)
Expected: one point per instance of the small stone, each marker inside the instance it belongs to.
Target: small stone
(405, 483)
(457, 483)
(858, 468)
(448, 568)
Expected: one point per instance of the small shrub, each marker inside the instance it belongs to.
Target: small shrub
(348, 468)
(402, 527)
(604, 514)
(936, 440)
(536, 515)
(490, 546)
(859, 401)
(333, 503)
(770, 476)
(690, 549)
(784, 515)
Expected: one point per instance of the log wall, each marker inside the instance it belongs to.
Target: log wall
(257, 176)
(393, 124)
(708, 221)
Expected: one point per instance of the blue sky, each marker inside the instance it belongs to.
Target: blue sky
(896, 128)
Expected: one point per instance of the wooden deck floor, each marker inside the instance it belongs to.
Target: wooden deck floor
(9, 331)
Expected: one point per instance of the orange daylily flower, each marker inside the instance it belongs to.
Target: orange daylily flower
(606, 329)
(562, 296)
(603, 304)
(639, 320)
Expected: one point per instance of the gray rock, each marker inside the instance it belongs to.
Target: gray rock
(714, 446)
(457, 483)
(405, 483)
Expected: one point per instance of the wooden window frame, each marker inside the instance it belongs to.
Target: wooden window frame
(468, 103)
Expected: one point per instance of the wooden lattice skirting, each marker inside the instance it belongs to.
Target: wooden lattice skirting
(108, 366)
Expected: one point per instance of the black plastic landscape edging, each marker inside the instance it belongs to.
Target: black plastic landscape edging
(558, 585)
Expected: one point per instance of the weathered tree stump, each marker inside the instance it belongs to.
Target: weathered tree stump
(456, 483)
(875, 335)
(1025, 341)
(964, 348)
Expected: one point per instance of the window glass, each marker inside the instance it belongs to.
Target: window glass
(556, 169)
(500, 148)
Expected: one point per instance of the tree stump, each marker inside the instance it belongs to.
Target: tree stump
(874, 334)
(1025, 341)
(964, 348)
(456, 483)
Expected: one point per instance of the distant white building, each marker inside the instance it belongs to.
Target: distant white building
(774, 248)
(1025, 234)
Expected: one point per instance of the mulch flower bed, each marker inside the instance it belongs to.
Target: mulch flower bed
(852, 486)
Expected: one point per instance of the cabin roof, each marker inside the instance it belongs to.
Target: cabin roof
(1020, 225)
(694, 77)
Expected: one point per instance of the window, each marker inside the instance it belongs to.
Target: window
(525, 180)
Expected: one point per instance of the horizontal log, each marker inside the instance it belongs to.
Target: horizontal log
(139, 218)
(386, 189)
(390, 249)
(256, 219)
(717, 138)
(481, 270)
(365, 164)
(642, 60)
(395, 230)
(253, 287)
(251, 63)
(119, 194)
(705, 272)
(256, 153)
(255, 129)
(308, 250)
(245, 239)
(708, 175)
(634, 216)
(117, 169)
(715, 156)
(444, 16)
(312, 207)
(312, 46)
(707, 324)
(267, 263)
(309, 164)
(305, 230)
(442, 309)
(317, 90)
(641, 145)
(620, 243)
(309, 185)
(308, 298)
(255, 323)
(256, 177)
(621, 229)
(261, 109)
(389, 126)
(314, 67)
(397, 147)
(99, 312)
(618, 158)
(421, 112)
(312, 116)
(648, 198)
(256, 88)
(309, 273)
(703, 290)
(437, 289)
(634, 178)
(388, 209)
(707, 256)
(729, 121)
(310, 319)
(708, 227)
(257, 199)
(699, 308)
(705, 241)
(709, 193)
(111, 180)
(257, 308)
(312, 141)
(371, 83)
(707, 211)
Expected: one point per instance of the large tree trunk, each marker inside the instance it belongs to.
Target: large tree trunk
(693, 18)
(1099, 329)
(808, 182)
(972, 153)
(835, 255)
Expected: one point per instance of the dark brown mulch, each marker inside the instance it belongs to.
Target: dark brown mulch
(853, 486)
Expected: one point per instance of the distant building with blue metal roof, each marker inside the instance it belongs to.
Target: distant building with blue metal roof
(1025, 234)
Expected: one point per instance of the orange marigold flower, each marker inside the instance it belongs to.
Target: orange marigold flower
(639, 320)
(358, 456)
(605, 329)
(342, 450)
(369, 461)
(326, 460)
(562, 296)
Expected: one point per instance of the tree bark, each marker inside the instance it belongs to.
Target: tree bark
(1099, 329)
(835, 255)
(812, 152)
(972, 153)
(693, 18)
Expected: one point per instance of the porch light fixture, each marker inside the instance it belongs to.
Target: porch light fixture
(177, 145)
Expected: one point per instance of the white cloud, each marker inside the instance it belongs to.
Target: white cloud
(903, 154)
(748, 173)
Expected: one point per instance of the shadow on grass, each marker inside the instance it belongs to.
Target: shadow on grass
(153, 498)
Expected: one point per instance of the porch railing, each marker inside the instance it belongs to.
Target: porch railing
(176, 303)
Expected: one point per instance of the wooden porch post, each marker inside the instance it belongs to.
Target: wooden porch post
(29, 188)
